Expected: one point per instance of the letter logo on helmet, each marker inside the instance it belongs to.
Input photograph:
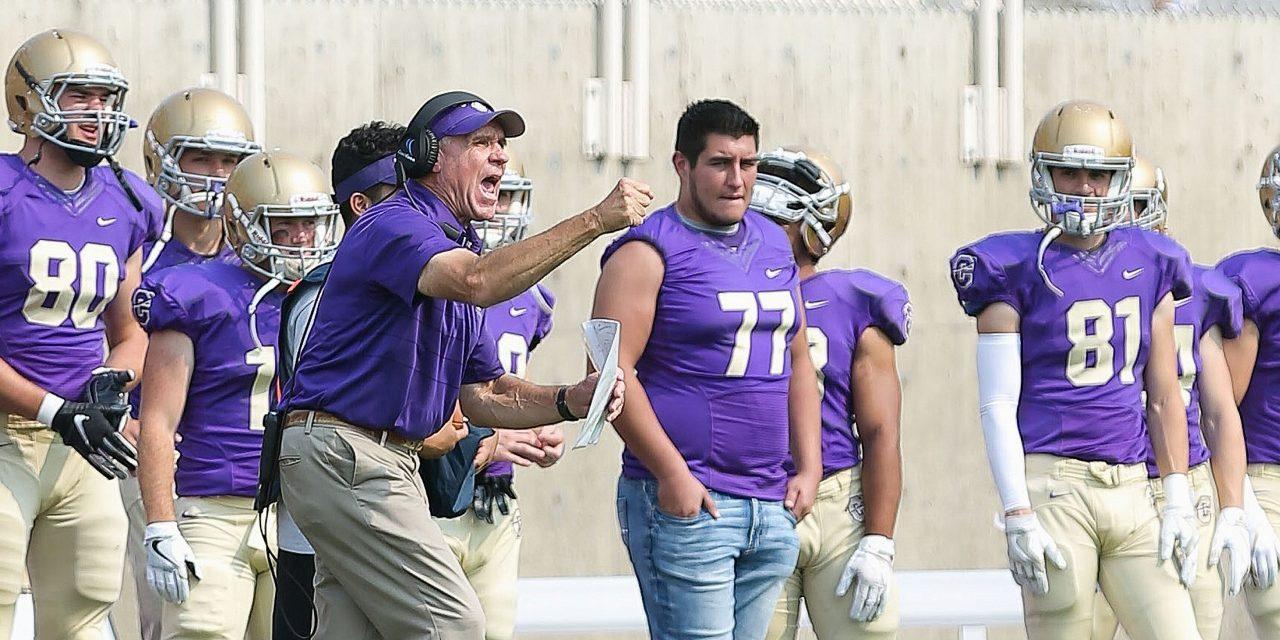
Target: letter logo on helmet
(42, 72)
(1269, 190)
(191, 121)
(279, 216)
(793, 185)
(1087, 136)
(514, 212)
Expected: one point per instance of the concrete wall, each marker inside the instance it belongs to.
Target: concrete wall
(878, 90)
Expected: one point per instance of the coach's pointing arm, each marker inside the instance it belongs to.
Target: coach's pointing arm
(504, 273)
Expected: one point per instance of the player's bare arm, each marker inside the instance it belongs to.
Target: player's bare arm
(125, 337)
(170, 361)
(18, 395)
(1241, 353)
(1220, 420)
(805, 417)
(511, 403)
(877, 401)
(501, 274)
(628, 292)
(1166, 413)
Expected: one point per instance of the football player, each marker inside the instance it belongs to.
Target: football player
(713, 340)
(486, 539)
(855, 319)
(1254, 359)
(71, 235)
(213, 329)
(193, 141)
(1074, 323)
(1213, 312)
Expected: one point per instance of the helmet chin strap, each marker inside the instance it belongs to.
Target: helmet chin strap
(258, 296)
(1049, 236)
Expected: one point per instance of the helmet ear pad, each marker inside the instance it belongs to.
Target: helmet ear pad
(420, 147)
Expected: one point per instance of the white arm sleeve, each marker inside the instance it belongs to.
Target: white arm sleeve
(999, 387)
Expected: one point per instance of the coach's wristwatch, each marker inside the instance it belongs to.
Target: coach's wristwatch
(562, 406)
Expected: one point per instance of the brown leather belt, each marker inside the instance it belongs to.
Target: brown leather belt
(299, 418)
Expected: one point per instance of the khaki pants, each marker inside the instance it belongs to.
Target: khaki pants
(490, 558)
(149, 604)
(66, 521)
(1206, 593)
(828, 537)
(383, 569)
(1264, 606)
(1103, 519)
(233, 598)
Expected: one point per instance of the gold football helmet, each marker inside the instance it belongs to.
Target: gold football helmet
(512, 219)
(271, 188)
(39, 75)
(1269, 190)
(194, 119)
(1088, 136)
(794, 185)
(1150, 195)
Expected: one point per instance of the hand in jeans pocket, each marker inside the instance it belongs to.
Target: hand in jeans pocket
(683, 497)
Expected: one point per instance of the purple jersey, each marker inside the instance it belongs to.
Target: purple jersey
(62, 259)
(717, 366)
(157, 256)
(839, 307)
(1257, 273)
(379, 354)
(517, 326)
(1084, 350)
(229, 392)
(1214, 301)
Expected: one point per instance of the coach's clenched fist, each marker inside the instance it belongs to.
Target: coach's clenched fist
(624, 206)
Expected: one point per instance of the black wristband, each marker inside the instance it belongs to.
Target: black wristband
(562, 406)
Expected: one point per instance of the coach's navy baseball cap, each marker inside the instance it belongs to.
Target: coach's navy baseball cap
(467, 117)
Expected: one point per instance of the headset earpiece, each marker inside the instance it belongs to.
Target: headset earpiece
(420, 148)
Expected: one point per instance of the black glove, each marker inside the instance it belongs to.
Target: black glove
(92, 431)
(491, 490)
(106, 389)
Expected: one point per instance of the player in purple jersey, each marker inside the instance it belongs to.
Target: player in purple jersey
(855, 319)
(486, 539)
(720, 391)
(1200, 323)
(71, 234)
(1074, 324)
(397, 342)
(193, 141)
(213, 328)
(1254, 360)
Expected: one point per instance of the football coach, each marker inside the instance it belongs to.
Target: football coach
(397, 338)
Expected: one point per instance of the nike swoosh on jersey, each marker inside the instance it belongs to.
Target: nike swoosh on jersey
(772, 273)
(516, 312)
(816, 304)
(106, 222)
(1130, 274)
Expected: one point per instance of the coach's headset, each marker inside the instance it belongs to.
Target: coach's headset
(420, 147)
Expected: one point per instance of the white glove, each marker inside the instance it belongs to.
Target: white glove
(1029, 545)
(169, 558)
(1266, 559)
(1178, 530)
(871, 567)
(1231, 534)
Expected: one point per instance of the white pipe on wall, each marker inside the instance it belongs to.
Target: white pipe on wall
(1011, 70)
(253, 59)
(638, 74)
(611, 62)
(989, 77)
(222, 41)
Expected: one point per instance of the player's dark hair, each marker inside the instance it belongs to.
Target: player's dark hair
(706, 117)
(363, 146)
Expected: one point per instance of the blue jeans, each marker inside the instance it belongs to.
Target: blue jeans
(706, 578)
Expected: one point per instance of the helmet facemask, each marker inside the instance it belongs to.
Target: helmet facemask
(792, 188)
(1082, 215)
(52, 123)
(508, 226)
(283, 262)
(1269, 191)
(188, 191)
